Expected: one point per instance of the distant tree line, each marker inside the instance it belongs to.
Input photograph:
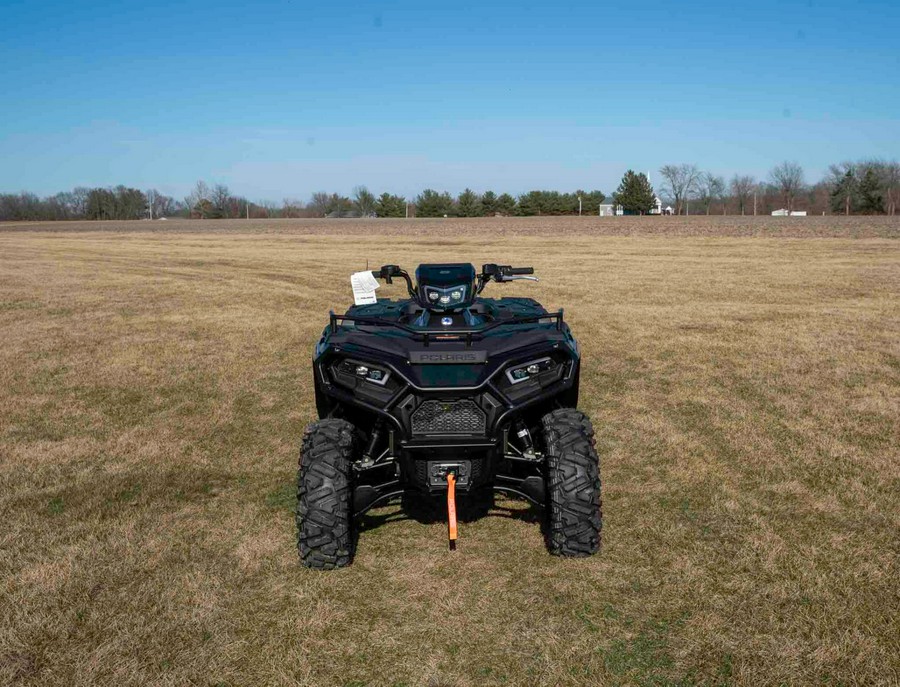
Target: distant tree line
(861, 187)
(81, 202)
(867, 187)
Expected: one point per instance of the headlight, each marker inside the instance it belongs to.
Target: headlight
(449, 297)
(520, 373)
(371, 373)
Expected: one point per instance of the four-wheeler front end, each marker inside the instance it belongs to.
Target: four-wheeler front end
(444, 392)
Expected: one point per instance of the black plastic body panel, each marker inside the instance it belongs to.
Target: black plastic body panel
(459, 371)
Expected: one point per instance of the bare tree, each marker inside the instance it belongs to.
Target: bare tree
(711, 188)
(269, 208)
(318, 203)
(364, 201)
(291, 208)
(79, 199)
(717, 191)
(742, 188)
(221, 200)
(888, 173)
(198, 201)
(819, 198)
(160, 205)
(703, 192)
(61, 206)
(892, 186)
(762, 198)
(201, 190)
(680, 181)
(788, 179)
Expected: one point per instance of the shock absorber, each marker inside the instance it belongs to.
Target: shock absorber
(525, 437)
(372, 444)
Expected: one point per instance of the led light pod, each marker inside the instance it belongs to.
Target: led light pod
(533, 368)
(364, 371)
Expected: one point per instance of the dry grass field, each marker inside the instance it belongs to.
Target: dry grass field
(743, 375)
(694, 226)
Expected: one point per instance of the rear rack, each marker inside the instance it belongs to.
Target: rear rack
(428, 335)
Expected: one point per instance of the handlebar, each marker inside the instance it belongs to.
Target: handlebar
(502, 273)
(489, 272)
(498, 272)
(388, 272)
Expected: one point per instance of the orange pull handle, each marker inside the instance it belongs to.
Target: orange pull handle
(451, 509)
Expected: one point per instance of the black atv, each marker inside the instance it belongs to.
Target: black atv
(447, 391)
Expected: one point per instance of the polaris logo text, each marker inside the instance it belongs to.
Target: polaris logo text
(447, 357)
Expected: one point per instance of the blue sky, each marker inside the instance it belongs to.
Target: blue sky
(282, 99)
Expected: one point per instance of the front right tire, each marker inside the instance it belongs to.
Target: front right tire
(325, 495)
(573, 484)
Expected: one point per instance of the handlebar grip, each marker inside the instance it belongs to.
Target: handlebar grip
(520, 270)
(387, 271)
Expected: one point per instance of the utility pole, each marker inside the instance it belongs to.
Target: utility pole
(150, 203)
(579, 206)
(754, 202)
(248, 209)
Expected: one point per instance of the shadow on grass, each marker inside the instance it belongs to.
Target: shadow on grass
(427, 510)
(469, 508)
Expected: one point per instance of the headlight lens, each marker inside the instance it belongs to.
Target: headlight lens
(519, 373)
(371, 373)
(449, 297)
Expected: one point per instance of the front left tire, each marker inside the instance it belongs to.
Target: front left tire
(573, 484)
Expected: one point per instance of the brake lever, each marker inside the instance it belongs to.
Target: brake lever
(519, 276)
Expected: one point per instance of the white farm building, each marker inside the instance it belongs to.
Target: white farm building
(610, 210)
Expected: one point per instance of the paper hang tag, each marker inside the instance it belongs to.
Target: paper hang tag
(364, 285)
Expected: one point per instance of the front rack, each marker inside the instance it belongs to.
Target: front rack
(428, 335)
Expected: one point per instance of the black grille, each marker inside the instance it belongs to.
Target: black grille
(448, 417)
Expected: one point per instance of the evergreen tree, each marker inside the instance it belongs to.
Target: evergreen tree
(844, 195)
(590, 202)
(339, 205)
(389, 205)
(561, 203)
(506, 204)
(871, 202)
(531, 203)
(364, 201)
(430, 203)
(469, 204)
(635, 194)
(489, 203)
